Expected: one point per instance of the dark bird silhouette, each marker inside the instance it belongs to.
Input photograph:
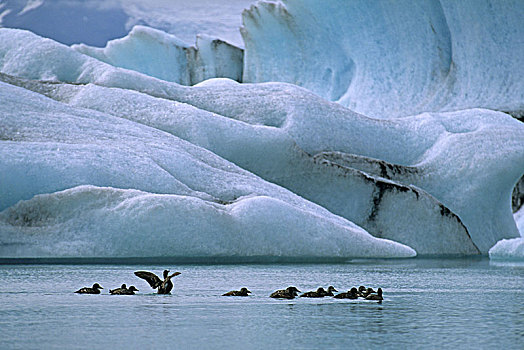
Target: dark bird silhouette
(367, 292)
(351, 294)
(116, 290)
(330, 291)
(90, 290)
(377, 296)
(243, 292)
(164, 286)
(125, 291)
(288, 293)
(319, 293)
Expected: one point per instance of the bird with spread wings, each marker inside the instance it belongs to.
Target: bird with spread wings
(163, 286)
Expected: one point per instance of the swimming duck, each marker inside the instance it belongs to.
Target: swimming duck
(93, 290)
(351, 294)
(122, 287)
(367, 292)
(361, 291)
(164, 287)
(377, 296)
(330, 291)
(243, 292)
(288, 293)
(319, 293)
(125, 291)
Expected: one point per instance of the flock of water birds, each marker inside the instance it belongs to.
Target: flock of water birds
(165, 285)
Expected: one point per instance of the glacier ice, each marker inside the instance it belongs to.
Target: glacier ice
(424, 171)
(88, 221)
(508, 249)
(511, 249)
(149, 194)
(373, 203)
(388, 59)
(382, 59)
(166, 57)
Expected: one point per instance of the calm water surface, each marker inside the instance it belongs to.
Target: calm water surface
(428, 304)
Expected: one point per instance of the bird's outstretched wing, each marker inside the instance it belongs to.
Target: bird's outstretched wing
(174, 274)
(153, 280)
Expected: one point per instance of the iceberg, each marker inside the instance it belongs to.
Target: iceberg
(374, 203)
(410, 179)
(80, 183)
(164, 56)
(391, 59)
(510, 249)
(88, 221)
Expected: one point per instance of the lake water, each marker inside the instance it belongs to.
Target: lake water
(429, 303)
